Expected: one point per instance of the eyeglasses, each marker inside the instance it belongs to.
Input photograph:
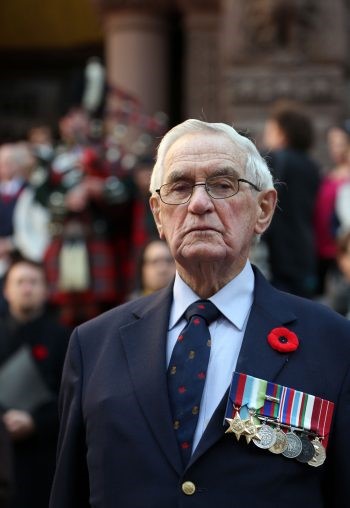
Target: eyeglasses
(218, 187)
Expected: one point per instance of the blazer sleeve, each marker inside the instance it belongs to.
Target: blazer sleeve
(71, 484)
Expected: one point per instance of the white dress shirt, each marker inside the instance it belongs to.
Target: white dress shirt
(234, 302)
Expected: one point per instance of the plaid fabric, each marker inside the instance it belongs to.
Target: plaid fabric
(102, 292)
(102, 270)
(143, 231)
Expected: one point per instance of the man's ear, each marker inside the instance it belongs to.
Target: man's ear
(154, 202)
(267, 203)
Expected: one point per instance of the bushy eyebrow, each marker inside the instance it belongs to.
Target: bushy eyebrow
(177, 175)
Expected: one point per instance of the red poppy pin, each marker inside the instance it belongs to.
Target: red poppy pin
(283, 340)
(40, 352)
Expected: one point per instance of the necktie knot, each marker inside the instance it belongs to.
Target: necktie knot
(203, 308)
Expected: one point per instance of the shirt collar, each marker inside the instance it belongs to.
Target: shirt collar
(234, 300)
(11, 187)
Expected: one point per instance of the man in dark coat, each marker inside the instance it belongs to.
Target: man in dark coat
(33, 430)
(290, 238)
(143, 413)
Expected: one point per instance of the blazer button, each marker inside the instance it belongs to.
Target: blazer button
(188, 488)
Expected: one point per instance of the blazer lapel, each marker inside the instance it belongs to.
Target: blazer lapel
(256, 357)
(144, 342)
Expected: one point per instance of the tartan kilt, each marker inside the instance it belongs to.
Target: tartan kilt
(103, 273)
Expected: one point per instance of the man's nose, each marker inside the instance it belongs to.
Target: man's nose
(200, 200)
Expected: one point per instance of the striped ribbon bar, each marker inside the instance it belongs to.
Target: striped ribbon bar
(285, 405)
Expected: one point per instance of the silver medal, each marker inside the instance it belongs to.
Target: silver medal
(266, 437)
(294, 446)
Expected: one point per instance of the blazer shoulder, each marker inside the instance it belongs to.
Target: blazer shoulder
(126, 312)
(289, 307)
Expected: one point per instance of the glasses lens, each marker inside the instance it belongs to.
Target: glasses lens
(222, 187)
(175, 193)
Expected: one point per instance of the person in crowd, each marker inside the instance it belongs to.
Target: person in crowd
(148, 417)
(22, 223)
(288, 137)
(41, 143)
(142, 227)
(30, 413)
(338, 143)
(338, 287)
(156, 268)
(342, 209)
(80, 258)
(6, 471)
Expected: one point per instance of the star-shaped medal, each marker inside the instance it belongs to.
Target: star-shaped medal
(236, 425)
(250, 429)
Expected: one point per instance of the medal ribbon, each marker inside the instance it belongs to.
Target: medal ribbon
(236, 394)
(321, 418)
(254, 394)
(295, 408)
(271, 408)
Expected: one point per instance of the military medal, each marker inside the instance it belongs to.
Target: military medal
(266, 437)
(294, 446)
(279, 407)
(281, 442)
(251, 429)
(320, 453)
(236, 425)
(307, 451)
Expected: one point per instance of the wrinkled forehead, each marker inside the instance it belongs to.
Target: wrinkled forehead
(205, 152)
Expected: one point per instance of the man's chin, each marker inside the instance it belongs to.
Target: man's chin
(27, 310)
(204, 253)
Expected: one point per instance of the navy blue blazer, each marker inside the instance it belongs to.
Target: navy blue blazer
(117, 447)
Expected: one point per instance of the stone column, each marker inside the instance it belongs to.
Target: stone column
(201, 59)
(136, 49)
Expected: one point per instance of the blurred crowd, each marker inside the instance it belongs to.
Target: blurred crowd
(77, 237)
(308, 243)
(79, 205)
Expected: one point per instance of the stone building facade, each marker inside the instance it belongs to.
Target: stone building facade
(237, 56)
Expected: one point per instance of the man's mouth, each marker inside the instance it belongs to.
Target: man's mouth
(202, 229)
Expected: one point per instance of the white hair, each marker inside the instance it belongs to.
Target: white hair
(255, 168)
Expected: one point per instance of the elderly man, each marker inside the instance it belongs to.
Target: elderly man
(149, 415)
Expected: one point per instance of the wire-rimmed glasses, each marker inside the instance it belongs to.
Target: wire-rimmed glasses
(218, 187)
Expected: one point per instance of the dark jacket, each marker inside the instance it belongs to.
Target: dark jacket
(117, 446)
(290, 237)
(34, 457)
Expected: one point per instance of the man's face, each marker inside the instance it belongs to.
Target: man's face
(206, 229)
(8, 168)
(338, 145)
(158, 267)
(25, 289)
(273, 136)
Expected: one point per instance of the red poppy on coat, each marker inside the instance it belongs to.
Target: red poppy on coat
(283, 340)
(40, 352)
